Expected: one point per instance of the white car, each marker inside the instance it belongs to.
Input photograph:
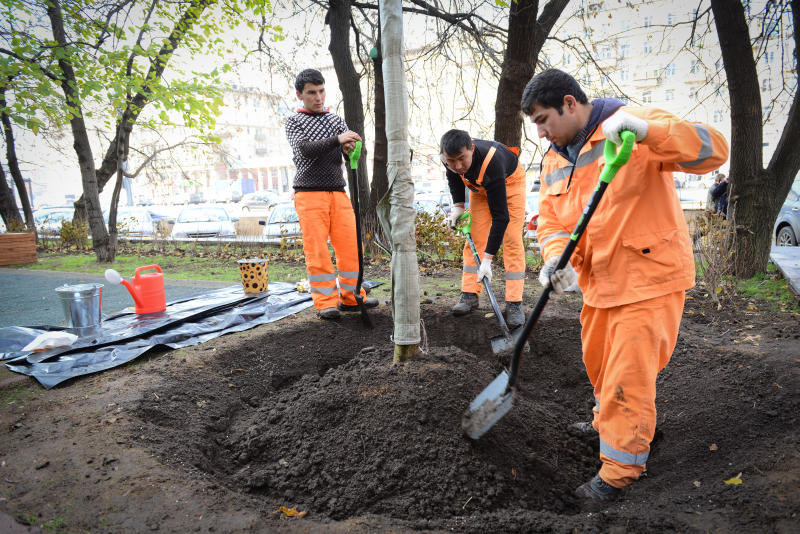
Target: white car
(134, 221)
(48, 220)
(204, 222)
(283, 223)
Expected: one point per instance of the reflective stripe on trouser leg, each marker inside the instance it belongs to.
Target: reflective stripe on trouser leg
(624, 348)
(481, 222)
(345, 246)
(313, 211)
(513, 247)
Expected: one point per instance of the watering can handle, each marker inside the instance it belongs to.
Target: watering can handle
(139, 269)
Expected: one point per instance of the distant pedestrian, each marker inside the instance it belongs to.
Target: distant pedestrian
(319, 139)
(719, 194)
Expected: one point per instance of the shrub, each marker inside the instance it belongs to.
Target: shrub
(714, 248)
(74, 234)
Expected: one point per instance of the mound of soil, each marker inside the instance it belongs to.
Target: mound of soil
(319, 418)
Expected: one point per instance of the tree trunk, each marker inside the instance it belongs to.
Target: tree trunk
(8, 204)
(339, 21)
(755, 193)
(104, 247)
(13, 168)
(380, 180)
(526, 37)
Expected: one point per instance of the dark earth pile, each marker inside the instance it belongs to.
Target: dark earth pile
(316, 416)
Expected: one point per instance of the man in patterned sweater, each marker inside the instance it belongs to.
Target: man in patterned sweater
(318, 139)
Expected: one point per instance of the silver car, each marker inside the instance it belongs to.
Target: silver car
(259, 201)
(282, 223)
(787, 226)
(204, 222)
(134, 221)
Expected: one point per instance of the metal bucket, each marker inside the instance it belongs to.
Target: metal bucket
(83, 306)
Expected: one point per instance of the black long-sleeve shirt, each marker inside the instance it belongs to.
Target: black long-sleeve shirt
(317, 152)
(502, 165)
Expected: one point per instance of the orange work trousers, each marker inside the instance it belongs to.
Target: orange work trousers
(624, 349)
(513, 248)
(327, 215)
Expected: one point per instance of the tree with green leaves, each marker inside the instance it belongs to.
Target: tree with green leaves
(105, 65)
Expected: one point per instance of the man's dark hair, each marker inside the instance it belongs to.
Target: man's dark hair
(548, 89)
(453, 141)
(312, 76)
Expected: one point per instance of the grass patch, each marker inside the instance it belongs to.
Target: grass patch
(772, 288)
(15, 394)
(185, 267)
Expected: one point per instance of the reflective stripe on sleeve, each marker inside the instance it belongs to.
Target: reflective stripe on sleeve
(583, 160)
(706, 151)
(553, 236)
(622, 456)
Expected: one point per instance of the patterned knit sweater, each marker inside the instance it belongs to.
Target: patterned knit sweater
(317, 153)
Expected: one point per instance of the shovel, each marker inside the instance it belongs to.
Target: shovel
(496, 399)
(355, 154)
(500, 344)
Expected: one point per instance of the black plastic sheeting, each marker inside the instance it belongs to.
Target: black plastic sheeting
(125, 336)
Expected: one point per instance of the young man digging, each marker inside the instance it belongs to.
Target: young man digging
(318, 139)
(496, 181)
(634, 262)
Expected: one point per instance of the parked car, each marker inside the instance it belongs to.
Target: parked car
(259, 201)
(134, 221)
(787, 226)
(204, 222)
(531, 204)
(282, 223)
(48, 220)
(196, 198)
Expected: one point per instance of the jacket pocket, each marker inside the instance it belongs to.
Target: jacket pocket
(654, 258)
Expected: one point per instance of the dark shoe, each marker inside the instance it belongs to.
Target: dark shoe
(369, 302)
(584, 428)
(598, 490)
(514, 315)
(329, 313)
(466, 303)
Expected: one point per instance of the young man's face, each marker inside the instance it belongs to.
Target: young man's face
(313, 97)
(558, 128)
(460, 162)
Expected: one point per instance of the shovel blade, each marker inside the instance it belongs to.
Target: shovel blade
(501, 344)
(488, 407)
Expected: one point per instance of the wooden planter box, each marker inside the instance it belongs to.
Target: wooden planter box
(17, 248)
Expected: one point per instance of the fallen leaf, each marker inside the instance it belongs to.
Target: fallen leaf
(697, 483)
(487, 315)
(751, 307)
(735, 481)
(713, 447)
(201, 403)
(291, 512)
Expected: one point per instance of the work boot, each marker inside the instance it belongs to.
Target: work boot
(329, 314)
(369, 302)
(466, 303)
(584, 428)
(598, 490)
(514, 315)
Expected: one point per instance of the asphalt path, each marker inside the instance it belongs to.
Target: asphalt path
(28, 297)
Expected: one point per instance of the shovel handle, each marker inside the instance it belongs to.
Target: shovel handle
(487, 287)
(614, 161)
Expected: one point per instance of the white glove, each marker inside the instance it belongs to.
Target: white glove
(452, 218)
(561, 279)
(622, 120)
(485, 269)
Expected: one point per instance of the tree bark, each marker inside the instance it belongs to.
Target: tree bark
(380, 180)
(526, 36)
(755, 193)
(104, 247)
(8, 204)
(16, 174)
(338, 19)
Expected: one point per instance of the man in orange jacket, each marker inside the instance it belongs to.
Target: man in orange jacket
(318, 138)
(634, 262)
(496, 181)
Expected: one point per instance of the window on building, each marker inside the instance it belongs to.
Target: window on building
(718, 116)
(625, 51)
(566, 59)
(669, 94)
(692, 94)
(648, 21)
(648, 48)
(670, 70)
(695, 68)
(769, 57)
(624, 75)
(766, 84)
(670, 19)
(625, 24)
(647, 97)
(767, 110)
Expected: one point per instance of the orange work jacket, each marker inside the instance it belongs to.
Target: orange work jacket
(636, 246)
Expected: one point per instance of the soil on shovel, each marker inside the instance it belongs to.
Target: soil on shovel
(312, 415)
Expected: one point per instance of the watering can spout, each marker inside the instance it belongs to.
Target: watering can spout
(132, 291)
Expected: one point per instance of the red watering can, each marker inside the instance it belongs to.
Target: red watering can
(147, 289)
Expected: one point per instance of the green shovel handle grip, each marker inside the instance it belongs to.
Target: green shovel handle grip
(464, 223)
(354, 155)
(615, 160)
